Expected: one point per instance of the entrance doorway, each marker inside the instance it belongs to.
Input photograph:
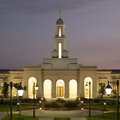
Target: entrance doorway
(60, 88)
(59, 91)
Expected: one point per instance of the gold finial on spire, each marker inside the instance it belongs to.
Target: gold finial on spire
(59, 14)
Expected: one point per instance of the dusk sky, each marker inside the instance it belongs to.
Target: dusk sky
(27, 28)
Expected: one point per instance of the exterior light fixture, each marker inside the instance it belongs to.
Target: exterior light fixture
(86, 86)
(36, 87)
(20, 91)
(108, 89)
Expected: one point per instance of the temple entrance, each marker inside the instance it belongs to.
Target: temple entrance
(60, 91)
(60, 88)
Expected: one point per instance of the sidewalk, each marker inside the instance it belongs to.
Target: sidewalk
(43, 116)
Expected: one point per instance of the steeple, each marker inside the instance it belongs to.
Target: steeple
(60, 40)
(59, 54)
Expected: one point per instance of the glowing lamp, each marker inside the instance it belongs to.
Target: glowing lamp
(36, 87)
(108, 89)
(86, 86)
(20, 90)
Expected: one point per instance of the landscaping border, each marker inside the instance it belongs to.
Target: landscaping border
(61, 112)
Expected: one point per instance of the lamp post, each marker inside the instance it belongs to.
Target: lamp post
(108, 91)
(11, 100)
(40, 104)
(20, 93)
(104, 106)
(86, 86)
(18, 106)
(82, 105)
(79, 99)
(34, 88)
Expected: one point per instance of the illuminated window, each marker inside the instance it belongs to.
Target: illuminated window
(60, 50)
(47, 88)
(72, 88)
(60, 32)
(86, 92)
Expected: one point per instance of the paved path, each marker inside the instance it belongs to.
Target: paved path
(43, 116)
(2, 114)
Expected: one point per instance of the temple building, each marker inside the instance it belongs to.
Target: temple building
(60, 76)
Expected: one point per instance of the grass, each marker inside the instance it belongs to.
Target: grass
(3, 108)
(108, 107)
(23, 117)
(106, 116)
(60, 118)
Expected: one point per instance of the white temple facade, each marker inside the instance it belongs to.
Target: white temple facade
(59, 76)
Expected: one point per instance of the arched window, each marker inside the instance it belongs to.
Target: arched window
(72, 88)
(31, 87)
(86, 92)
(47, 88)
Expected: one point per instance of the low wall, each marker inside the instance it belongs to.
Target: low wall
(61, 112)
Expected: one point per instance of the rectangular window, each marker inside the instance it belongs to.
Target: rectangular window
(60, 32)
(60, 50)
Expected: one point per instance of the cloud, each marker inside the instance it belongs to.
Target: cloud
(41, 6)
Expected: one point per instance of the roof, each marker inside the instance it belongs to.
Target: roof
(113, 71)
(6, 71)
(60, 21)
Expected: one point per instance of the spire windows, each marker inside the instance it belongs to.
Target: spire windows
(60, 50)
(60, 32)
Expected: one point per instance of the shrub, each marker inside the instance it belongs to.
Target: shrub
(5, 102)
(71, 104)
(52, 104)
(96, 100)
(1, 101)
(60, 100)
(56, 104)
(108, 102)
(61, 105)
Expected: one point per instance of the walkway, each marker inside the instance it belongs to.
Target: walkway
(43, 116)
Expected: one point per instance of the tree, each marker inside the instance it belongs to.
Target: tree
(114, 92)
(16, 85)
(5, 89)
(101, 91)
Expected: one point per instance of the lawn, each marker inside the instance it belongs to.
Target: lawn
(106, 116)
(108, 107)
(3, 108)
(16, 117)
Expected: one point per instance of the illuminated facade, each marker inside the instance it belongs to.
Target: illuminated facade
(59, 76)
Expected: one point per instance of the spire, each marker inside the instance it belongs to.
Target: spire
(60, 40)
